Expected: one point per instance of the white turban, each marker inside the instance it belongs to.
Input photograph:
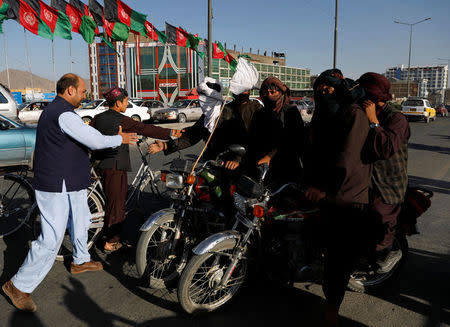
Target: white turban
(210, 101)
(245, 78)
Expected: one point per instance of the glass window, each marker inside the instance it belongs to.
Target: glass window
(168, 73)
(184, 81)
(283, 70)
(147, 57)
(257, 66)
(270, 68)
(147, 82)
(3, 99)
(183, 58)
(223, 64)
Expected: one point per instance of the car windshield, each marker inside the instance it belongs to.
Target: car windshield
(23, 105)
(92, 104)
(413, 103)
(181, 104)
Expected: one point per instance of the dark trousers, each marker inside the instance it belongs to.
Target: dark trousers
(388, 213)
(115, 184)
(350, 233)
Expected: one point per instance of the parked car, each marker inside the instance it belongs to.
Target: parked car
(419, 109)
(182, 111)
(8, 106)
(441, 110)
(88, 111)
(16, 143)
(31, 112)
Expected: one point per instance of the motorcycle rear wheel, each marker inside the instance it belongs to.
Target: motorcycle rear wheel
(155, 261)
(371, 281)
(198, 289)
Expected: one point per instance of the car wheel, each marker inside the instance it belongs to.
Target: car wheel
(136, 118)
(181, 118)
(87, 120)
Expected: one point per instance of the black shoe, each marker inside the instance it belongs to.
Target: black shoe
(387, 262)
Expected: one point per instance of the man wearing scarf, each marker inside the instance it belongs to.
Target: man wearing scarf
(387, 147)
(335, 171)
(277, 135)
(233, 123)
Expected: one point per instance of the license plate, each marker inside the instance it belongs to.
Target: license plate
(412, 109)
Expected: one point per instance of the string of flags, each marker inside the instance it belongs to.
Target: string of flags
(117, 19)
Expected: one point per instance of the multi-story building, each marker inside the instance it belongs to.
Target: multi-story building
(149, 69)
(436, 77)
(399, 89)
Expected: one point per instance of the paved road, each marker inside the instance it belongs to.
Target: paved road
(115, 297)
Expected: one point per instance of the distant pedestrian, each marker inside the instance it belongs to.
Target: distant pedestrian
(61, 178)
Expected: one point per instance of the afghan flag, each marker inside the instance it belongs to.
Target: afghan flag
(179, 36)
(3, 13)
(115, 30)
(60, 26)
(88, 28)
(96, 11)
(154, 33)
(26, 16)
(117, 11)
(219, 52)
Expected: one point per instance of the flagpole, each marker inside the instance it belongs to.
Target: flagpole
(53, 63)
(6, 59)
(70, 54)
(29, 62)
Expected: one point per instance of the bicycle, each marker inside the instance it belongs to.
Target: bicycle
(97, 200)
(16, 200)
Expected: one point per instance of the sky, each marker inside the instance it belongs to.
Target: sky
(368, 38)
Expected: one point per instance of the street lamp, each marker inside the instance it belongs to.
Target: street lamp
(410, 40)
(448, 67)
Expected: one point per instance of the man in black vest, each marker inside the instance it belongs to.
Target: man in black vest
(387, 147)
(61, 179)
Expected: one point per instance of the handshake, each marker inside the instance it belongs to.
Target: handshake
(159, 146)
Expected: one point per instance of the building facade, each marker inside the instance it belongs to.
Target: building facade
(436, 77)
(152, 70)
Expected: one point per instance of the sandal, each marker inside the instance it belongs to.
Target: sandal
(111, 247)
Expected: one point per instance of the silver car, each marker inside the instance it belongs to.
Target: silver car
(182, 111)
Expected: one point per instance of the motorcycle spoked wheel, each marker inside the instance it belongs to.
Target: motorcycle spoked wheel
(198, 289)
(369, 280)
(155, 260)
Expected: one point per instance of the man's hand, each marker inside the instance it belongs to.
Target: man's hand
(156, 147)
(266, 159)
(231, 165)
(371, 111)
(177, 133)
(128, 138)
(314, 194)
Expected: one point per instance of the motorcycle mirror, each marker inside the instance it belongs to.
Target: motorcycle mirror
(237, 149)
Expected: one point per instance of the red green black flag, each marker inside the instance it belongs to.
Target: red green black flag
(26, 16)
(153, 33)
(118, 11)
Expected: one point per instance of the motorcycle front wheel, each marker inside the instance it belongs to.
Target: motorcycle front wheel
(199, 289)
(370, 280)
(159, 258)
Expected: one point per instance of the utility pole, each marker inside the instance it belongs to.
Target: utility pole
(335, 34)
(410, 43)
(210, 17)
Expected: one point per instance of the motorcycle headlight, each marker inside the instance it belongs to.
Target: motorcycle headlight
(239, 202)
(174, 181)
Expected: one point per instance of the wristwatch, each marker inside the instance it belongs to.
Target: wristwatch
(373, 125)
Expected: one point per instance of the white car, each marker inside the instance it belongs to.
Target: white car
(31, 112)
(89, 110)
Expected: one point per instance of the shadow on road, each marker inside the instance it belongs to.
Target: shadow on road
(423, 287)
(434, 185)
(443, 137)
(432, 148)
(17, 246)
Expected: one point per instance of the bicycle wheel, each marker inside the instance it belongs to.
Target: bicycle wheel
(16, 201)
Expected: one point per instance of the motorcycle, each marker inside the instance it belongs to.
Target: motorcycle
(283, 242)
(168, 236)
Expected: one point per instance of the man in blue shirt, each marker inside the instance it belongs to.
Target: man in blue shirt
(61, 179)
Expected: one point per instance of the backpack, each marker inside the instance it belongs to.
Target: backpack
(417, 201)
